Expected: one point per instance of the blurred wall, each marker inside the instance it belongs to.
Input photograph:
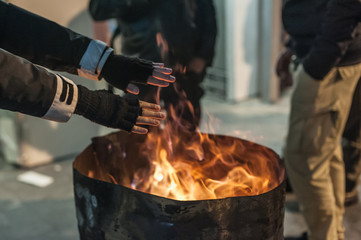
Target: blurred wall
(61, 12)
(248, 44)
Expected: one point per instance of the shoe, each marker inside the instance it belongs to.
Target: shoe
(302, 237)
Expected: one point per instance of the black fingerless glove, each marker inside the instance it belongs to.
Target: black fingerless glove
(119, 71)
(107, 109)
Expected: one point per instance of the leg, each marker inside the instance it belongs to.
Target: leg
(313, 154)
(351, 143)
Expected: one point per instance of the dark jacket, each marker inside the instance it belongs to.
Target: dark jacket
(141, 20)
(32, 90)
(136, 23)
(46, 43)
(324, 33)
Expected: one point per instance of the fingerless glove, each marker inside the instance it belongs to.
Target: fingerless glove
(107, 109)
(120, 70)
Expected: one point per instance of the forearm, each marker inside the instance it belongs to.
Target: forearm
(46, 43)
(32, 90)
(334, 38)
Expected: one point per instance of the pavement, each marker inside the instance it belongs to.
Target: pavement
(33, 213)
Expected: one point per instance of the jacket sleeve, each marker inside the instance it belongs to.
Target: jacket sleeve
(123, 9)
(208, 30)
(32, 90)
(46, 43)
(334, 38)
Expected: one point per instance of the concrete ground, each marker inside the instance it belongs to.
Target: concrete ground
(32, 213)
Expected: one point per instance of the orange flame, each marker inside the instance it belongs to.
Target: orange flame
(186, 165)
(182, 165)
(196, 174)
(163, 46)
(196, 166)
(164, 53)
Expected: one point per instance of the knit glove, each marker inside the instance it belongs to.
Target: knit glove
(113, 111)
(122, 72)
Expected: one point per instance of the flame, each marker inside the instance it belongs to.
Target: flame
(196, 175)
(197, 166)
(187, 165)
(184, 164)
(163, 46)
(165, 51)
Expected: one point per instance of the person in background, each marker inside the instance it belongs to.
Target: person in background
(46, 43)
(180, 33)
(326, 40)
(351, 137)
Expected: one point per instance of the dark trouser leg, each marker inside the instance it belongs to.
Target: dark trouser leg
(351, 144)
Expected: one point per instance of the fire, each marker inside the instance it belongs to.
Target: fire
(176, 163)
(201, 168)
(196, 166)
(165, 52)
(163, 45)
(184, 164)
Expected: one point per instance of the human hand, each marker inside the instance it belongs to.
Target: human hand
(197, 65)
(282, 69)
(160, 77)
(113, 111)
(150, 116)
(122, 72)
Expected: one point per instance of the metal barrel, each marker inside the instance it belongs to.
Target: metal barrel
(108, 211)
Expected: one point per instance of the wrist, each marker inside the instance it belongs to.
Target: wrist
(93, 60)
(107, 109)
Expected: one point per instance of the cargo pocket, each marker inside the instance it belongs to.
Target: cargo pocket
(320, 129)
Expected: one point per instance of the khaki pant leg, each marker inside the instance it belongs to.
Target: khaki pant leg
(313, 154)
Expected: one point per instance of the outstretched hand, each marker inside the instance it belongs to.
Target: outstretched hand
(151, 116)
(123, 72)
(283, 70)
(110, 110)
(161, 78)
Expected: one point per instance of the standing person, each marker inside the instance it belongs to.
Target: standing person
(326, 38)
(180, 33)
(351, 138)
